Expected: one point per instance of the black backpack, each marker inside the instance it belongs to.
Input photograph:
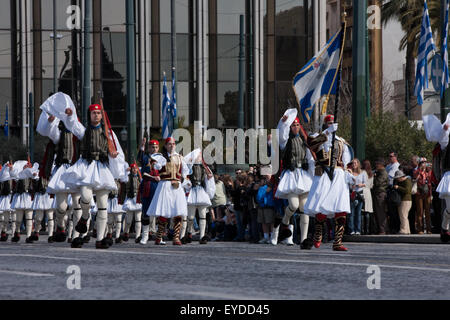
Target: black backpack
(394, 196)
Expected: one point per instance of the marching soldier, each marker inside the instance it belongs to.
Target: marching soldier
(147, 189)
(130, 205)
(43, 204)
(169, 200)
(5, 199)
(296, 177)
(91, 173)
(201, 187)
(60, 124)
(21, 203)
(329, 197)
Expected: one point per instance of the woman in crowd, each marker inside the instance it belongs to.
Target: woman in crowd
(359, 178)
(369, 221)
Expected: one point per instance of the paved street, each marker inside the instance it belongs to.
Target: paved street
(224, 270)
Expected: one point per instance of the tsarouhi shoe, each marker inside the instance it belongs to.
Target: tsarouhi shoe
(16, 237)
(159, 242)
(77, 242)
(102, 244)
(4, 237)
(340, 248)
(118, 240)
(284, 232)
(138, 239)
(125, 237)
(204, 240)
(445, 236)
(109, 239)
(86, 239)
(50, 239)
(29, 240)
(34, 236)
(60, 235)
(307, 244)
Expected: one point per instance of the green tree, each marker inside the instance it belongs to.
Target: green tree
(385, 133)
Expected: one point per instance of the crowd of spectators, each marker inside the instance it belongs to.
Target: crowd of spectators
(387, 198)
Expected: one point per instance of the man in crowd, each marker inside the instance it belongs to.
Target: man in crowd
(380, 185)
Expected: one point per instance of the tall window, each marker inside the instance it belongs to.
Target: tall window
(293, 47)
(5, 60)
(185, 55)
(228, 12)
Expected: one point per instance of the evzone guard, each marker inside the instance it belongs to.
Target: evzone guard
(59, 122)
(23, 173)
(147, 188)
(296, 177)
(5, 200)
(131, 206)
(92, 173)
(201, 187)
(169, 201)
(329, 194)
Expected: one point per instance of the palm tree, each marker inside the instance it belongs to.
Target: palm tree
(409, 13)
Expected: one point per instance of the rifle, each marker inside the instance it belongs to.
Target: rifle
(112, 148)
(28, 160)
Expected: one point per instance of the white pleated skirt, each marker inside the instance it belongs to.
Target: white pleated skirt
(444, 186)
(114, 206)
(21, 201)
(198, 197)
(167, 201)
(298, 181)
(43, 202)
(57, 183)
(131, 205)
(5, 203)
(96, 175)
(328, 197)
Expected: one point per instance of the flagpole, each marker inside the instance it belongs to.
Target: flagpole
(359, 77)
(445, 97)
(338, 88)
(174, 51)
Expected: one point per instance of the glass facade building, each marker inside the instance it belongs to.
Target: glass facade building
(278, 42)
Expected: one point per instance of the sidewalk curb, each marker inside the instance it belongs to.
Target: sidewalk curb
(395, 238)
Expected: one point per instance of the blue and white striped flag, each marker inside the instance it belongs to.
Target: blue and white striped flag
(166, 114)
(426, 45)
(445, 76)
(318, 77)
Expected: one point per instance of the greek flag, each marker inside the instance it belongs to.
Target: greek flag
(318, 77)
(426, 45)
(166, 114)
(445, 76)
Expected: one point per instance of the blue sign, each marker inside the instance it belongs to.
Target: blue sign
(436, 72)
